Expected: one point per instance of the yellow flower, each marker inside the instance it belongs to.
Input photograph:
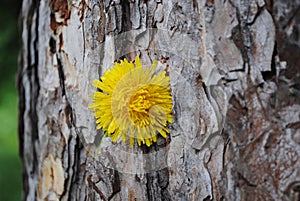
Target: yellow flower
(133, 102)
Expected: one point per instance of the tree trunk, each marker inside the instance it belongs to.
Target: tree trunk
(234, 70)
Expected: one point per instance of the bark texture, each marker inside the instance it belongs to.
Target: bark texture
(235, 79)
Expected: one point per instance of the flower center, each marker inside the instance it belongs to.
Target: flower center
(139, 105)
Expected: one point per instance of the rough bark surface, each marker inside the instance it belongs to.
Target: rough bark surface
(235, 79)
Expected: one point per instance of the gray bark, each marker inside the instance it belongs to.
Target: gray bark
(234, 70)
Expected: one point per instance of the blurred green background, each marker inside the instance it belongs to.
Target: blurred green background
(10, 166)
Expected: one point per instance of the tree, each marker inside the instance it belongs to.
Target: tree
(234, 70)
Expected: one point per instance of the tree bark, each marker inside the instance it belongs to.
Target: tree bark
(234, 70)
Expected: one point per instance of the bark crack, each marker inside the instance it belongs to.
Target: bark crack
(77, 145)
(61, 78)
(93, 186)
(32, 73)
(28, 74)
(75, 167)
(115, 185)
(67, 184)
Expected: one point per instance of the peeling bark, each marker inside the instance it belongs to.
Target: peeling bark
(234, 70)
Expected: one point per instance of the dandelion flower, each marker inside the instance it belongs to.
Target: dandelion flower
(133, 102)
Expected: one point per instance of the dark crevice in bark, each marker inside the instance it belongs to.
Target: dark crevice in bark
(149, 186)
(271, 75)
(75, 180)
(36, 83)
(126, 24)
(67, 169)
(70, 120)
(106, 4)
(236, 70)
(205, 89)
(157, 183)
(52, 45)
(227, 81)
(21, 103)
(70, 115)
(163, 181)
(93, 186)
(237, 39)
(34, 90)
(31, 72)
(61, 77)
(241, 34)
(259, 11)
(227, 141)
(208, 198)
(115, 185)
(72, 181)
